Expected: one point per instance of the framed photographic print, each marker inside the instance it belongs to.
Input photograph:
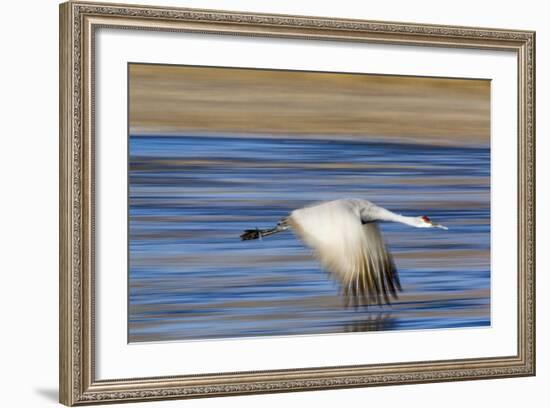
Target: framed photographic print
(256, 203)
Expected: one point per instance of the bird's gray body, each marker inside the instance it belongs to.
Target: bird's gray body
(345, 238)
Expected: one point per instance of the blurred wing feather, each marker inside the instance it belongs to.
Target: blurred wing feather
(355, 254)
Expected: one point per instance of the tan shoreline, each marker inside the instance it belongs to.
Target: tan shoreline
(173, 100)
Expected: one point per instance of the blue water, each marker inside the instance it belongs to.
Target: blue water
(190, 197)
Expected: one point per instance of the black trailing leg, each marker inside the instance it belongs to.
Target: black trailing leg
(258, 233)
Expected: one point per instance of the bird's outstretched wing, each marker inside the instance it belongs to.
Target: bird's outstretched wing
(354, 253)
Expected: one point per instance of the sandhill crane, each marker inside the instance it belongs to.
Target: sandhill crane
(344, 236)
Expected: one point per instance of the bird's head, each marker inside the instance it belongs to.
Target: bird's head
(426, 222)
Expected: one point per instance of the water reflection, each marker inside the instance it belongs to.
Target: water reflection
(376, 322)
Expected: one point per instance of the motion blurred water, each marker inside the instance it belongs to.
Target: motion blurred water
(190, 197)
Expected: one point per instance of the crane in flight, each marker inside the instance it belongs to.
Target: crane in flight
(345, 238)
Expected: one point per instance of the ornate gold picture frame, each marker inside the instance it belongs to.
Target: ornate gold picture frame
(79, 23)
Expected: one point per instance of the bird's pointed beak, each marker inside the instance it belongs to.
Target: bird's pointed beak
(439, 226)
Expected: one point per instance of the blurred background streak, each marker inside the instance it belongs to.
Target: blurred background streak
(213, 151)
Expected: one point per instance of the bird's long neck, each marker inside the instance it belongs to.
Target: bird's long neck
(385, 215)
